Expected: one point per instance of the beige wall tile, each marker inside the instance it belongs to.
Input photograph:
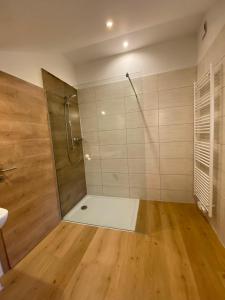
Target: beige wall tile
(222, 158)
(136, 135)
(142, 135)
(89, 124)
(143, 150)
(135, 120)
(91, 150)
(177, 196)
(148, 181)
(87, 110)
(113, 151)
(115, 179)
(114, 165)
(92, 165)
(176, 97)
(173, 133)
(222, 94)
(111, 122)
(216, 52)
(223, 71)
(146, 101)
(177, 115)
(138, 85)
(86, 95)
(177, 79)
(150, 83)
(150, 166)
(94, 190)
(177, 182)
(177, 166)
(112, 137)
(90, 137)
(145, 194)
(145, 119)
(218, 130)
(176, 150)
(202, 68)
(93, 178)
(220, 138)
(117, 89)
(111, 107)
(116, 191)
(103, 92)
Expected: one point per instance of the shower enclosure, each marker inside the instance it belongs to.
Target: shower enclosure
(138, 135)
(131, 126)
(109, 206)
(67, 142)
(113, 115)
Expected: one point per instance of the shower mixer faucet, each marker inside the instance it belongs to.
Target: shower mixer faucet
(77, 140)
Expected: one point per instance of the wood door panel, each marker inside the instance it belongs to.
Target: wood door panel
(70, 175)
(29, 192)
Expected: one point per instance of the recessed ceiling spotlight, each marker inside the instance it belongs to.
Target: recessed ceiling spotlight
(109, 24)
(103, 112)
(125, 44)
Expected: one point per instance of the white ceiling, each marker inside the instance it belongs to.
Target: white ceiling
(77, 27)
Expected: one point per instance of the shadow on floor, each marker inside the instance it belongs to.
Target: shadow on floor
(34, 288)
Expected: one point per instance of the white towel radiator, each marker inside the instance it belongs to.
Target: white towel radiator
(204, 141)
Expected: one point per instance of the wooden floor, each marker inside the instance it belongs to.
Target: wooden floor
(174, 255)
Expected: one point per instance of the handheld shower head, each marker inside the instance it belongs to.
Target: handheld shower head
(68, 98)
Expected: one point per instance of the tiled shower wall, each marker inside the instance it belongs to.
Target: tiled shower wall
(143, 149)
(216, 56)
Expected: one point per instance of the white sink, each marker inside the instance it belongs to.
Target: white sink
(3, 216)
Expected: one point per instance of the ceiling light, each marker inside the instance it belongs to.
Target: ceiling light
(103, 112)
(125, 44)
(109, 24)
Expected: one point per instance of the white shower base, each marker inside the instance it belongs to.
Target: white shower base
(112, 212)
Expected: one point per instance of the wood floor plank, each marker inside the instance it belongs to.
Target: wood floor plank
(173, 255)
(44, 273)
(206, 254)
(173, 278)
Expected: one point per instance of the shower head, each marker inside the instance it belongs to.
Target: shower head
(72, 96)
(127, 75)
(68, 98)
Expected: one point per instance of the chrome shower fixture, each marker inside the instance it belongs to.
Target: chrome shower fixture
(72, 141)
(69, 98)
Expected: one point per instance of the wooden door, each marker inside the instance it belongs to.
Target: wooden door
(29, 190)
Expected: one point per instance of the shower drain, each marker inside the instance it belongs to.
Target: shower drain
(83, 207)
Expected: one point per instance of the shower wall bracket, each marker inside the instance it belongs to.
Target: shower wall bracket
(131, 83)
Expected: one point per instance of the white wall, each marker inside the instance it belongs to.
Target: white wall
(167, 56)
(27, 66)
(163, 57)
(215, 18)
